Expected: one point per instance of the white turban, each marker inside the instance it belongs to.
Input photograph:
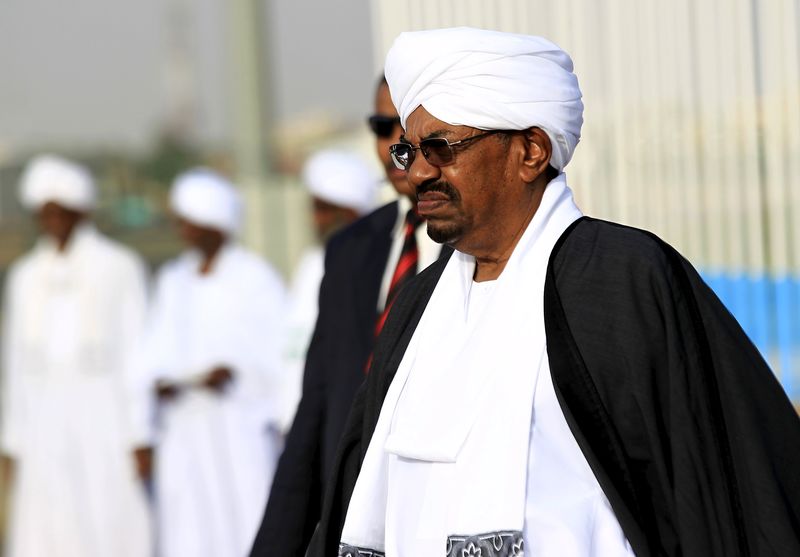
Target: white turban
(341, 178)
(206, 199)
(48, 178)
(488, 80)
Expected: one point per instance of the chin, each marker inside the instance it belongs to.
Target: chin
(444, 234)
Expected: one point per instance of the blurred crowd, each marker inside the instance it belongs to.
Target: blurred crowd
(145, 415)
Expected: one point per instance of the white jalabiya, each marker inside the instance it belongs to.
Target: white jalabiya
(301, 317)
(488, 80)
(450, 466)
(72, 322)
(216, 451)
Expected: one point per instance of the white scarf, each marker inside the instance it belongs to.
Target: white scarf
(462, 399)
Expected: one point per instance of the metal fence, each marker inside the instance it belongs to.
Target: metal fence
(692, 130)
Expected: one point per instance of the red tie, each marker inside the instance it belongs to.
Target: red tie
(405, 270)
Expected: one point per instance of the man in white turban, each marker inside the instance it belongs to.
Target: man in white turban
(73, 314)
(342, 187)
(213, 357)
(560, 385)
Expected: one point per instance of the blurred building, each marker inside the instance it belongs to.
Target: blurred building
(692, 130)
(140, 91)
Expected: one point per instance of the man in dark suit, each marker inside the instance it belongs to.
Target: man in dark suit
(362, 277)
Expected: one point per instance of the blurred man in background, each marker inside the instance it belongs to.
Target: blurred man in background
(74, 310)
(342, 188)
(214, 359)
(366, 264)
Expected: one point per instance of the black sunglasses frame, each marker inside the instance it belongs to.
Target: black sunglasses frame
(383, 126)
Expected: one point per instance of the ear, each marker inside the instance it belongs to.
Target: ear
(537, 154)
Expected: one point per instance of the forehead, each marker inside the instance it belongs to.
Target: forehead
(421, 124)
(52, 208)
(322, 205)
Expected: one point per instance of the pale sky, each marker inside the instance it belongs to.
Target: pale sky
(100, 74)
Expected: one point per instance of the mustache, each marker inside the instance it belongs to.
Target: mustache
(440, 186)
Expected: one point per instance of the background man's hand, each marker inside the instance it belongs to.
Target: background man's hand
(218, 378)
(143, 456)
(7, 465)
(166, 390)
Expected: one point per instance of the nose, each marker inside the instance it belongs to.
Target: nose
(421, 171)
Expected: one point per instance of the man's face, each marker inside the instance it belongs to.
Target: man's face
(58, 221)
(328, 218)
(384, 107)
(199, 237)
(478, 198)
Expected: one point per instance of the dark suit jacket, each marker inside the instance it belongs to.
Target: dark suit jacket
(355, 261)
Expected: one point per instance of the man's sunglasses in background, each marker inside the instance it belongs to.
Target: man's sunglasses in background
(383, 126)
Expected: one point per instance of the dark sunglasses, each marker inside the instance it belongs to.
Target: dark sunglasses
(438, 151)
(383, 126)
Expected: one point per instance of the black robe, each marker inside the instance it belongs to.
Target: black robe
(688, 432)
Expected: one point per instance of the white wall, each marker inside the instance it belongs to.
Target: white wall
(692, 122)
(692, 130)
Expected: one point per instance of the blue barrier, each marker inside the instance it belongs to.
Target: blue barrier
(768, 309)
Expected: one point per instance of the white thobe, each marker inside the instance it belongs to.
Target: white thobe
(566, 511)
(301, 317)
(72, 324)
(216, 452)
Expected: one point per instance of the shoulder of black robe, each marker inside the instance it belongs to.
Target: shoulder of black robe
(355, 258)
(686, 428)
(391, 345)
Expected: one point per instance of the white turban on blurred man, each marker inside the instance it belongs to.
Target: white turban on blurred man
(49, 178)
(206, 199)
(341, 178)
